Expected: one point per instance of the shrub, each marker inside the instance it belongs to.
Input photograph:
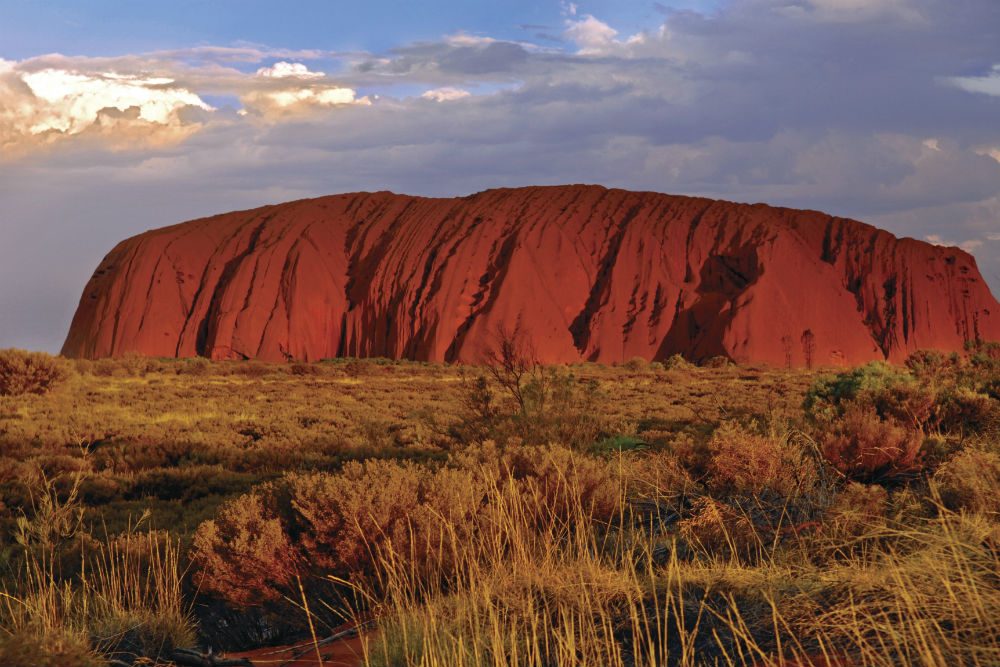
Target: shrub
(992, 388)
(251, 369)
(382, 509)
(677, 362)
(636, 364)
(196, 366)
(544, 405)
(43, 647)
(378, 517)
(29, 372)
(563, 484)
(135, 365)
(876, 384)
(106, 368)
(933, 364)
(857, 509)
(244, 555)
(188, 482)
(867, 448)
(305, 369)
(718, 529)
(961, 411)
(745, 463)
(970, 481)
(346, 525)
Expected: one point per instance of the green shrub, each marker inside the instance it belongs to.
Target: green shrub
(890, 391)
(933, 364)
(29, 372)
(618, 443)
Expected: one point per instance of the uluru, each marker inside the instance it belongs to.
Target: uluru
(584, 272)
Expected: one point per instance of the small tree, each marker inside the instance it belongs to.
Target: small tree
(29, 372)
(808, 346)
(546, 404)
(786, 346)
(512, 362)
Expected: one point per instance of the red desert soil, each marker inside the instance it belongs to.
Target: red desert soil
(588, 273)
(343, 653)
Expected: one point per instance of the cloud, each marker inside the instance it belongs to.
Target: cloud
(296, 100)
(590, 34)
(465, 39)
(44, 105)
(993, 153)
(287, 70)
(850, 11)
(968, 246)
(70, 102)
(988, 84)
(148, 100)
(446, 94)
(298, 97)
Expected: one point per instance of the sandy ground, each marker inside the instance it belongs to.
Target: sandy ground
(343, 653)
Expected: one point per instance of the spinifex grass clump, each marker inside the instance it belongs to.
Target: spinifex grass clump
(73, 600)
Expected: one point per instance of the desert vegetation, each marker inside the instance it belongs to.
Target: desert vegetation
(503, 514)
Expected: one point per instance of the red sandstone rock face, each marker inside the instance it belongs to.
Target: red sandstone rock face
(588, 273)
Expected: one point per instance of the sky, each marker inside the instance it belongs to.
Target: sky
(118, 116)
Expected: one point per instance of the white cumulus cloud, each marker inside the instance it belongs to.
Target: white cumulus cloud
(294, 100)
(295, 95)
(446, 94)
(287, 70)
(591, 34)
(41, 106)
(465, 39)
(70, 102)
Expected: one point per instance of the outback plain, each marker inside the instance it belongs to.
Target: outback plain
(186, 512)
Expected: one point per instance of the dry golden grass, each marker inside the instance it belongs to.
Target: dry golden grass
(634, 515)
